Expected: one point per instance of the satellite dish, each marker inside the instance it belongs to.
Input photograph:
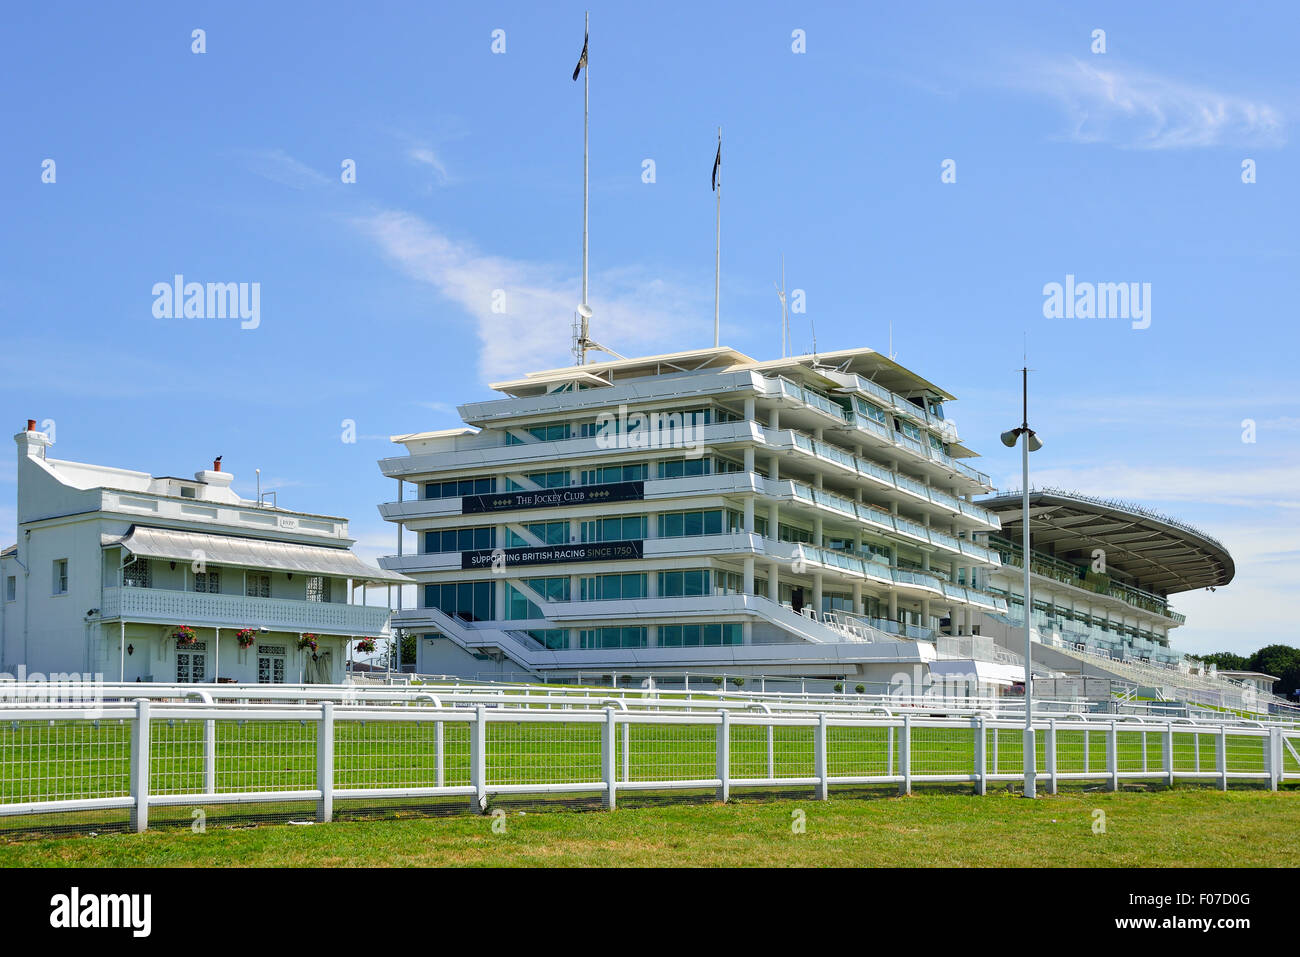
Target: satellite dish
(584, 310)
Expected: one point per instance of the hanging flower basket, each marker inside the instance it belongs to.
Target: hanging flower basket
(308, 640)
(366, 646)
(245, 637)
(185, 635)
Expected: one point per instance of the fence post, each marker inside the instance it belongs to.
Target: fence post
(820, 764)
(478, 757)
(325, 762)
(997, 734)
(1112, 757)
(1221, 756)
(981, 756)
(210, 756)
(439, 755)
(1051, 755)
(905, 755)
(608, 730)
(1167, 753)
(1276, 766)
(140, 766)
(771, 751)
(724, 755)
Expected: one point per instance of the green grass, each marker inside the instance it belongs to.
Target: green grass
(1186, 826)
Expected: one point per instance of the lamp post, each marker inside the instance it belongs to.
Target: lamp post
(1031, 443)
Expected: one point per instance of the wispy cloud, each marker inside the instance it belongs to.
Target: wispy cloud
(427, 157)
(279, 167)
(1131, 109)
(523, 310)
(1260, 486)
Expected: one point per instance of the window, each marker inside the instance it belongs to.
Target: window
(627, 528)
(679, 524)
(549, 533)
(187, 491)
(258, 586)
(519, 606)
(614, 473)
(472, 601)
(609, 587)
(481, 537)
(137, 574)
(612, 638)
(456, 488)
(192, 663)
(61, 576)
(11, 588)
(675, 584)
(209, 582)
(695, 636)
(318, 588)
(270, 664)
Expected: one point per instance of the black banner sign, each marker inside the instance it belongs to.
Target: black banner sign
(552, 497)
(555, 554)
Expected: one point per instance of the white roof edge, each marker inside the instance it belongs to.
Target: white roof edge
(435, 434)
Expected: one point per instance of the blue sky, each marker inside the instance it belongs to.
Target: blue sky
(376, 296)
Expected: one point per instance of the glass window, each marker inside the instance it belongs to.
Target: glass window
(209, 582)
(137, 574)
(61, 576)
(11, 588)
(318, 588)
(258, 586)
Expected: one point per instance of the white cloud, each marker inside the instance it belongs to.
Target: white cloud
(1263, 486)
(633, 313)
(1137, 110)
(279, 167)
(427, 157)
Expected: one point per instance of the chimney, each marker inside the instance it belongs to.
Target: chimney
(32, 444)
(216, 464)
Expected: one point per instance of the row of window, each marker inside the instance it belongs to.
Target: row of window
(461, 539)
(456, 488)
(705, 522)
(669, 636)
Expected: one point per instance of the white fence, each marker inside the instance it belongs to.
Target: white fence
(131, 758)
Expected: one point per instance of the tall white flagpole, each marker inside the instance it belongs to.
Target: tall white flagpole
(717, 252)
(586, 114)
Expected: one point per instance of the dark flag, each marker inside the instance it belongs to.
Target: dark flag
(582, 60)
(717, 163)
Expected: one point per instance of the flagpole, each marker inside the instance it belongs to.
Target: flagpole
(586, 122)
(717, 252)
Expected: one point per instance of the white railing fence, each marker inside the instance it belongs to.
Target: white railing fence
(135, 757)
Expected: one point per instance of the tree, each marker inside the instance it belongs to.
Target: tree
(1225, 661)
(1283, 662)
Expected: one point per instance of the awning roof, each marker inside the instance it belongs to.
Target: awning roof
(167, 543)
(992, 672)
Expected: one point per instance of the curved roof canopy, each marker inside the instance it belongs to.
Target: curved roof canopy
(1158, 553)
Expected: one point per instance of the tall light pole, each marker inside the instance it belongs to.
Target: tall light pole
(1031, 443)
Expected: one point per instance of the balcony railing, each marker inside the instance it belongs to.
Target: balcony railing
(279, 614)
(1054, 568)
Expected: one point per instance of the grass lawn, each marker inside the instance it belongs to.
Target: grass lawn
(1181, 827)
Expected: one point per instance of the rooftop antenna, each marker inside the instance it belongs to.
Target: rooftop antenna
(892, 354)
(785, 320)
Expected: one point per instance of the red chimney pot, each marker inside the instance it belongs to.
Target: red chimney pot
(31, 425)
(216, 465)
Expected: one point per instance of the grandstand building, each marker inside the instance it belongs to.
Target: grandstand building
(1102, 574)
(698, 512)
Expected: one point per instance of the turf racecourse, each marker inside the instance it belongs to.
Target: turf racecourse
(1183, 826)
